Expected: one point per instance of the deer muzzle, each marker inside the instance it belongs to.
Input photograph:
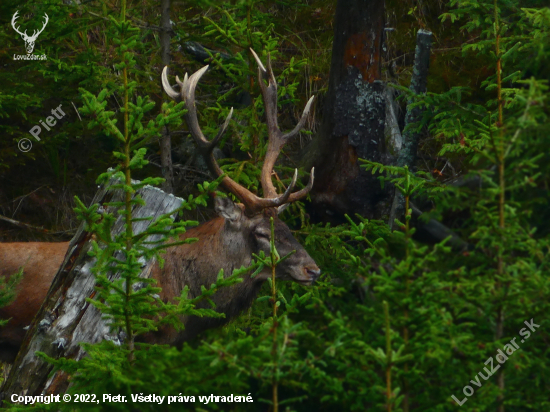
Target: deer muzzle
(309, 275)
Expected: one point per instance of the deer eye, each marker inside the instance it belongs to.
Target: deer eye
(262, 234)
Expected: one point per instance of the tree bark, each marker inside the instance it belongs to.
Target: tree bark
(165, 142)
(360, 121)
(419, 82)
(66, 319)
(411, 137)
(353, 118)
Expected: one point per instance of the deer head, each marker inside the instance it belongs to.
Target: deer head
(251, 219)
(29, 40)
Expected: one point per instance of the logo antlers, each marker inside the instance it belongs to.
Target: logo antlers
(29, 40)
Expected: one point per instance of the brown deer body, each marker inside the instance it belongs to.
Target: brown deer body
(40, 261)
(231, 238)
(226, 242)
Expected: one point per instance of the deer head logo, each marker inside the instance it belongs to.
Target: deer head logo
(29, 40)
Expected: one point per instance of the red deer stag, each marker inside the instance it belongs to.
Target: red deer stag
(225, 242)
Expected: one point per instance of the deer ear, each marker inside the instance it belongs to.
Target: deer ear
(227, 209)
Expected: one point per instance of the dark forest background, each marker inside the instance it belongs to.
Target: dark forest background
(429, 215)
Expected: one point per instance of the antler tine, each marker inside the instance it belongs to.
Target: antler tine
(222, 129)
(179, 82)
(275, 142)
(263, 203)
(190, 83)
(188, 94)
(302, 121)
(187, 90)
(276, 138)
(260, 64)
(166, 85)
(303, 192)
(269, 93)
(288, 192)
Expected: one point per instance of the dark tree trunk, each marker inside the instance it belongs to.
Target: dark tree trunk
(165, 142)
(353, 118)
(360, 121)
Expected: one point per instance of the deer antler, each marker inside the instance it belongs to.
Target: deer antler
(253, 204)
(276, 138)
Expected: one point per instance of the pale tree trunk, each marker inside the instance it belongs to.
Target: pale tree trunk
(419, 81)
(66, 319)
